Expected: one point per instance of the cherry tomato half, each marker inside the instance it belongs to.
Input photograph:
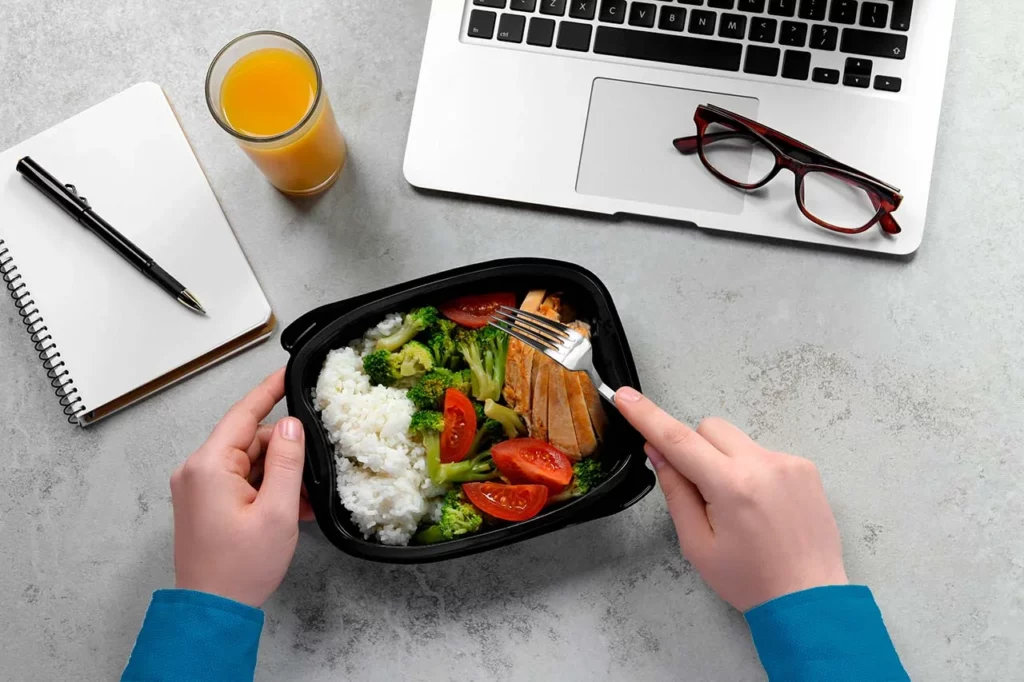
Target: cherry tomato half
(459, 426)
(507, 502)
(529, 460)
(474, 311)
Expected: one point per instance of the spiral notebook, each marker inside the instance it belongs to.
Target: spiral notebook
(106, 336)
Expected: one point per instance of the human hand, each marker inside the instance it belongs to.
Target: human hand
(235, 534)
(755, 523)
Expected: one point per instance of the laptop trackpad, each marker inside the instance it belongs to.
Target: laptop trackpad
(628, 152)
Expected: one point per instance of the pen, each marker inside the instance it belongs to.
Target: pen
(67, 197)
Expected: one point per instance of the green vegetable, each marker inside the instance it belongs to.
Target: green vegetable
(487, 434)
(484, 351)
(480, 416)
(442, 345)
(419, 320)
(428, 393)
(428, 425)
(587, 474)
(513, 423)
(388, 369)
(458, 518)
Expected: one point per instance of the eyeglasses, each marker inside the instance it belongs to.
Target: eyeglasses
(747, 155)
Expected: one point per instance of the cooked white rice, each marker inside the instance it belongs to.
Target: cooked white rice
(382, 477)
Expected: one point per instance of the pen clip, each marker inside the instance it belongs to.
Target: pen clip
(82, 200)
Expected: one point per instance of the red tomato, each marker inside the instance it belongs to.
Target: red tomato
(474, 311)
(528, 460)
(507, 502)
(459, 426)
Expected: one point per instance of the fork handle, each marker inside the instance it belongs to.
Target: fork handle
(606, 391)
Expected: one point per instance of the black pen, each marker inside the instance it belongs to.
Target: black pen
(67, 197)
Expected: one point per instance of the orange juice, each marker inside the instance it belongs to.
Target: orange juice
(272, 101)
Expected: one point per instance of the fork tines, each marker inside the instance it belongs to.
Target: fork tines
(538, 332)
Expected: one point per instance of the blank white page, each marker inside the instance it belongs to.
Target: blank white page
(115, 329)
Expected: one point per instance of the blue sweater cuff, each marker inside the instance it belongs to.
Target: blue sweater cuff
(191, 636)
(831, 633)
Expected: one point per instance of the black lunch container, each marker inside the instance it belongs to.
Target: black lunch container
(319, 331)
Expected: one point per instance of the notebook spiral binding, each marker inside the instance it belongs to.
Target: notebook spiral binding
(45, 346)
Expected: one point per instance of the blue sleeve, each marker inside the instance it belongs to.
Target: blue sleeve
(193, 636)
(827, 633)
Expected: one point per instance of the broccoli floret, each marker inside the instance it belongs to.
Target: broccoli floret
(507, 417)
(415, 360)
(419, 320)
(487, 434)
(458, 518)
(428, 425)
(480, 416)
(408, 364)
(462, 382)
(484, 351)
(442, 345)
(428, 393)
(383, 367)
(586, 474)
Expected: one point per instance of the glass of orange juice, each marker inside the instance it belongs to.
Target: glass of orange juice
(265, 89)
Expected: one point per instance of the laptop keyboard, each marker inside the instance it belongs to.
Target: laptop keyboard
(791, 39)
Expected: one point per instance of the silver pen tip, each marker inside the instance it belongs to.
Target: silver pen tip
(188, 299)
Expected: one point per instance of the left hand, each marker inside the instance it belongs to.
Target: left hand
(238, 500)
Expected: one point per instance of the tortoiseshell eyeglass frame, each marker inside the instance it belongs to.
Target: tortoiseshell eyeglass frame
(795, 156)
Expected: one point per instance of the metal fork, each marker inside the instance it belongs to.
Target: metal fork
(564, 345)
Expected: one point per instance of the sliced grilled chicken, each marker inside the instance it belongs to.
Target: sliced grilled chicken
(518, 390)
(538, 416)
(598, 417)
(586, 439)
(561, 430)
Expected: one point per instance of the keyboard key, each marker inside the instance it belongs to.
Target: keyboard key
(796, 65)
(511, 27)
(613, 11)
(812, 9)
(901, 10)
(874, 14)
(555, 7)
(672, 19)
(751, 5)
(843, 12)
(763, 61)
(481, 24)
(762, 30)
(830, 76)
(661, 47)
(689, 2)
(573, 36)
(793, 34)
(733, 26)
(522, 5)
(861, 67)
(856, 81)
(888, 83)
(702, 22)
(824, 37)
(500, 4)
(642, 14)
(782, 8)
(582, 9)
(542, 32)
(722, 4)
(874, 44)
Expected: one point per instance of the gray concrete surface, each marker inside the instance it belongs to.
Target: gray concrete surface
(904, 381)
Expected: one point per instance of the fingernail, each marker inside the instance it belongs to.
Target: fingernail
(657, 459)
(628, 394)
(291, 428)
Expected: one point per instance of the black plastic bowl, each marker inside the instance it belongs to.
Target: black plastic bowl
(319, 331)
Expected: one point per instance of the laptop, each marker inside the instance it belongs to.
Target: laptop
(575, 103)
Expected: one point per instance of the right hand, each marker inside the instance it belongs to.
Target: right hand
(754, 523)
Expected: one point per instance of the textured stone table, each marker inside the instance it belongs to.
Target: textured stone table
(903, 380)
